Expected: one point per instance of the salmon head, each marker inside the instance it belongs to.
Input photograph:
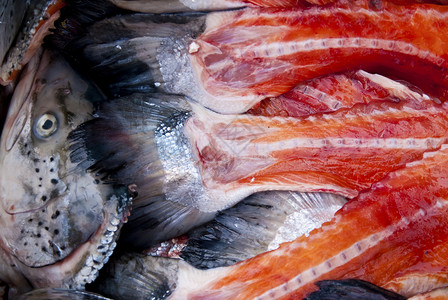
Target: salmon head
(58, 222)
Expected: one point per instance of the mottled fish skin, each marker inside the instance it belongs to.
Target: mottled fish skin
(168, 185)
(59, 223)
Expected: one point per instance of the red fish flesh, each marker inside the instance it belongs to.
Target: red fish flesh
(393, 235)
(246, 56)
(230, 61)
(187, 165)
(326, 94)
(343, 152)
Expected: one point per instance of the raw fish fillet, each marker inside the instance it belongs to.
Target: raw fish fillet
(248, 55)
(186, 165)
(343, 152)
(230, 61)
(393, 235)
(326, 94)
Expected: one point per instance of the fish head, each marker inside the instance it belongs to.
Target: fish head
(59, 222)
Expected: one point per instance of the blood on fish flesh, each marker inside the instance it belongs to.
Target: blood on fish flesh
(393, 235)
(187, 165)
(343, 152)
(248, 55)
(325, 94)
(230, 61)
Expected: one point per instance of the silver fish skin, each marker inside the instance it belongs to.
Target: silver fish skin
(255, 225)
(59, 223)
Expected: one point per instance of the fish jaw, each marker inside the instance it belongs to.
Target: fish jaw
(77, 269)
(57, 218)
(30, 38)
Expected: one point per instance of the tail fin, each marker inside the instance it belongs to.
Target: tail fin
(138, 141)
(136, 276)
(124, 53)
(257, 224)
(351, 289)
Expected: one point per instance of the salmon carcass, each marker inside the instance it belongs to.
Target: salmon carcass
(186, 155)
(403, 216)
(230, 61)
(246, 56)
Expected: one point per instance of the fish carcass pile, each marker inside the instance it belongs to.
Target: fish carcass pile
(269, 149)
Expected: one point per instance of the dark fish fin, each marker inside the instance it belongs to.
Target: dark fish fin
(124, 145)
(123, 52)
(75, 17)
(156, 219)
(60, 294)
(252, 226)
(351, 289)
(136, 276)
(123, 135)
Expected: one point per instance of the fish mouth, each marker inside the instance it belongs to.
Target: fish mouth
(97, 250)
(82, 265)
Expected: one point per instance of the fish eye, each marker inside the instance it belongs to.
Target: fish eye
(46, 125)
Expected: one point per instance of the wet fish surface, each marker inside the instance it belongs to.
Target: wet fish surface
(59, 223)
(230, 61)
(187, 163)
(158, 6)
(391, 220)
(23, 25)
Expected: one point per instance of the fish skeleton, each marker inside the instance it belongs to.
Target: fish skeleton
(174, 125)
(230, 61)
(329, 93)
(188, 163)
(59, 223)
(244, 154)
(402, 216)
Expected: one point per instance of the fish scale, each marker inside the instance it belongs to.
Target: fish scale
(52, 212)
(392, 218)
